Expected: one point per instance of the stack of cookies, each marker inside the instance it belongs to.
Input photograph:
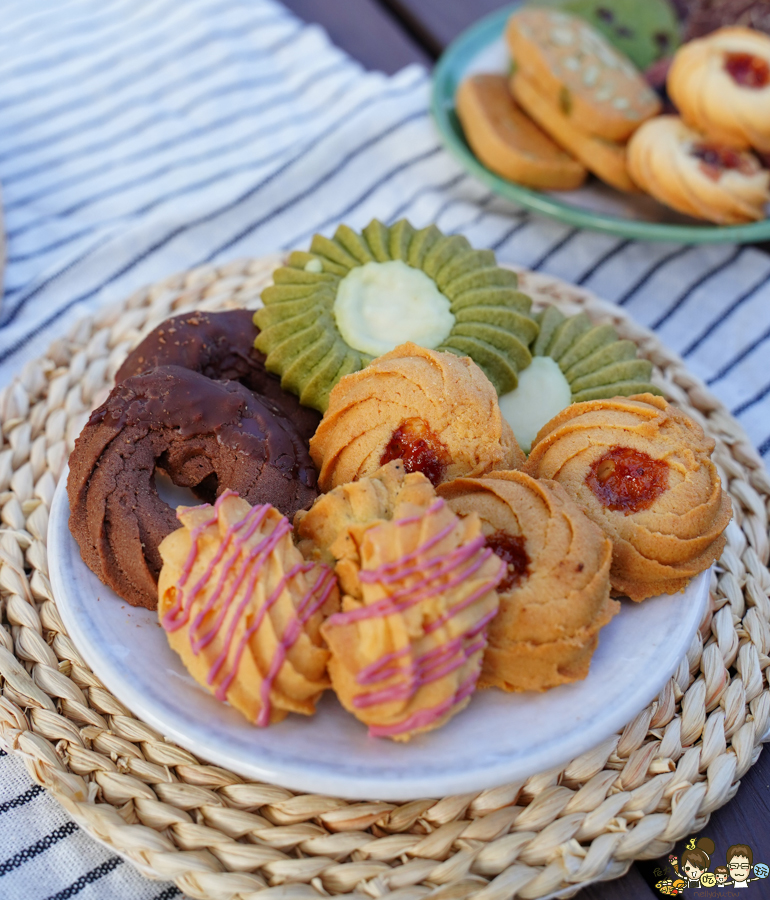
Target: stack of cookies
(586, 96)
(702, 163)
(405, 551)
(574, 104)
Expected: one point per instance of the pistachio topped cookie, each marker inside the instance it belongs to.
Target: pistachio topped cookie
(352, 298)
(575, 67)
(573, 361)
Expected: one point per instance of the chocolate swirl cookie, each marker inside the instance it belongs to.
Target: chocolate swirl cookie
(206, 435)
(219, 345)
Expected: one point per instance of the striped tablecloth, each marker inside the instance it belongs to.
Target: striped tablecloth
(142, 137)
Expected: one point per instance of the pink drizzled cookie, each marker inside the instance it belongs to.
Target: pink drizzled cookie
(243, 609)
(418, 595)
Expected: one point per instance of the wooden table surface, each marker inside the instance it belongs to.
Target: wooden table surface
(387, 36)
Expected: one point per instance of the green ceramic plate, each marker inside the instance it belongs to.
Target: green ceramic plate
(482, 49)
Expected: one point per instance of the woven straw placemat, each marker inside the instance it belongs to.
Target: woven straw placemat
(218, 836)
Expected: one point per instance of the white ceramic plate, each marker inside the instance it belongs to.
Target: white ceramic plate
(498, 738)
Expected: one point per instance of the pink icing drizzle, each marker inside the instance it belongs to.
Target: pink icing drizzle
(252, 566)
(439, 574)
(424, 717)
(177, 616)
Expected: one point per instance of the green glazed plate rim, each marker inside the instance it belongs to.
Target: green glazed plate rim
(446, 76)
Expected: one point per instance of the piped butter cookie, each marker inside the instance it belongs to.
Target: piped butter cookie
(418, 593)
(721, 86)
(573, 360)
(642, 471)
(555, 594)
(435, 411)
(243, 609)
(350, 299)
(576, 69)
(696, 175)
(508, 142)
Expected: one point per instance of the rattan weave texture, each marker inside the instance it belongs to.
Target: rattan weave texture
(218, 836)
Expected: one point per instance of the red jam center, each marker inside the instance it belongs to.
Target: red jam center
(511, 550)
(420, 449)
(716, 155)
(715, 158)
(627, 480)
(747, 70)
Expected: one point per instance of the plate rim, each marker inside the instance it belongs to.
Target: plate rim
(455, 56)
(329, 783)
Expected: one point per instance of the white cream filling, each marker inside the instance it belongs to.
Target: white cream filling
(382, 305)
(541, 393)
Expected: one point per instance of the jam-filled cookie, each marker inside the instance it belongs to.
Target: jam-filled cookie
(243, 609)
(555, 594)
(606, 159)
(721, 86)
(510, 143)
(578, 71)
(354, 297)
(642, 470)
(418, 593)
(435, 411)
(696, 175)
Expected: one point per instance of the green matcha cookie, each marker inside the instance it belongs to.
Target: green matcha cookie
(573, 361)
(645, 30)
(332, 310)
(595, 363)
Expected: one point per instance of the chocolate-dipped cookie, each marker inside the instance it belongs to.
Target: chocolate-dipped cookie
(219, 345)
(206, 435)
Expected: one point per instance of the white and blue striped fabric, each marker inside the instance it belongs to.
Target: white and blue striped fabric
(143, 137)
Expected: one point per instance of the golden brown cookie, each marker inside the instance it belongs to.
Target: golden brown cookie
(508, 142)
(418, 594)
(721, 86)
(694, 175)
(436, 411)
(578, 71)
(642, 470)
(555, 595)
(243, 608)
(606, 159)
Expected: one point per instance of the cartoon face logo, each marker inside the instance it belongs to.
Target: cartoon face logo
(696, 860)
(740, 859)
(692, 871)
(739, 868)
